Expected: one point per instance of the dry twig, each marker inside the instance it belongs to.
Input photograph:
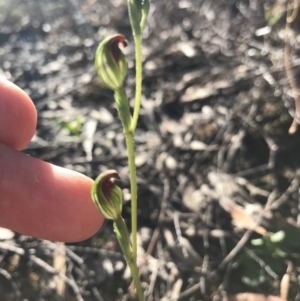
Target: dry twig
(287, 54)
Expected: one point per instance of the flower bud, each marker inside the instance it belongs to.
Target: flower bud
(107, 196)
(110, 61)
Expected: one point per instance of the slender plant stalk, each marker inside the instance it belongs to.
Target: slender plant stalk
(138, 79)
(130, 141)
(129, 135)
(133, 190)
(136, 279)
(123, 108)
(123, 237)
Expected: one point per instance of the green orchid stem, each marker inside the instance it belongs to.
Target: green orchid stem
(130, 141)
(138, 79)
(125, 116)
(123, 109)
(133, 191)
(136, 279)
(123, 238)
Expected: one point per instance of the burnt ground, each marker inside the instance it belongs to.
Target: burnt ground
(212, 145)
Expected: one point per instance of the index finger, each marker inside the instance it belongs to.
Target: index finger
(18, 116)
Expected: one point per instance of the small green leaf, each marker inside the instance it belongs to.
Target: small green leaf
(257, 242)
(281, 253)
(277, 237)
(254, 280)
(252, 274)
(74, 127)
(291, 236)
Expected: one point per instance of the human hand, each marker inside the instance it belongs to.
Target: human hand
(38, 198)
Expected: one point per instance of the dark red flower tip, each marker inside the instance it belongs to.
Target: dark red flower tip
(115, 43)
(108, 184)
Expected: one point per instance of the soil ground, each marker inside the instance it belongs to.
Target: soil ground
(212, 144)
